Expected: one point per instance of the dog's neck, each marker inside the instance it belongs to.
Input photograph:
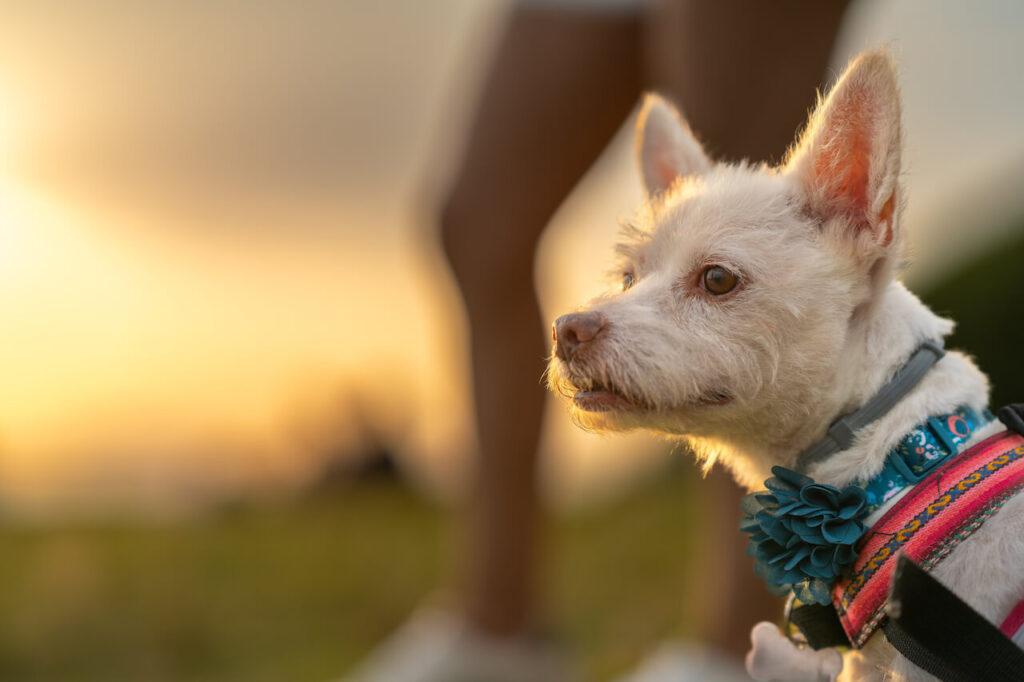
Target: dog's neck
(880, 341)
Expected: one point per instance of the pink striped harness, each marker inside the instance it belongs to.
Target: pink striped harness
(926, 524)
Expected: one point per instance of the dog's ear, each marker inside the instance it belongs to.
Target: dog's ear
(848, 159)
(666, 148)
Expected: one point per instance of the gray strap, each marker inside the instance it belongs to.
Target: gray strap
(841, 434)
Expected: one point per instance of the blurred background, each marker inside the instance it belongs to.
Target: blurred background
(234, 401)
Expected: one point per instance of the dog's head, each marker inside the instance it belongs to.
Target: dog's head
(740, 285)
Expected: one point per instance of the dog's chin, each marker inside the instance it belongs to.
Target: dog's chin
(603, 400)
(607, 412)
(607, 421)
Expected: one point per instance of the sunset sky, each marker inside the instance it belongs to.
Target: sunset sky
(215, 233)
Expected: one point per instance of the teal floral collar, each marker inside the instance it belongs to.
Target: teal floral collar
(803, 534)
(927, 446)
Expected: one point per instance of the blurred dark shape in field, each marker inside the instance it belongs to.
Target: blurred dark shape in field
(376, 463)
(350, 439)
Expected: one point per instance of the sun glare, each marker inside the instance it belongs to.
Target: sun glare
(6, 134)
(18, 244)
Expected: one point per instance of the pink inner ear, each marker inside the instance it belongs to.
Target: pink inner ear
(665, 168)
(842, 160)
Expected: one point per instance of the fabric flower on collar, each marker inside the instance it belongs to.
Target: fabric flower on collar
(802, 533)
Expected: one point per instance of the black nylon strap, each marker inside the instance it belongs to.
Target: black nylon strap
(941, 634)
(820, 625)
(1012, 417)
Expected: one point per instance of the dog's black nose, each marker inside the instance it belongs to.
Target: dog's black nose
(573, 330)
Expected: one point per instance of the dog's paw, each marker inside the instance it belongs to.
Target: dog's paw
(774, 658)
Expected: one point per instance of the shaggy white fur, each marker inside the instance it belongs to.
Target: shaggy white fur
(806, 325)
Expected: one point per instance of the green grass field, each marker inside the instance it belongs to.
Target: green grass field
(301, 591)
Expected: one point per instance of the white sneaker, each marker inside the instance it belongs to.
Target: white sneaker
(686, 662)
(437, 646)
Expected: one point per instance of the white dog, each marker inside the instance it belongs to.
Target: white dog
(759, 304)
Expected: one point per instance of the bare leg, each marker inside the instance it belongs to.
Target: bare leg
(744, 73)
(562, 83)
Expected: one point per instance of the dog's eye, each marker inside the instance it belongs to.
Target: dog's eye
(628, 280)
(717, 280)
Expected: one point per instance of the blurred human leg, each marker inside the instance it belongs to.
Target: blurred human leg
(563, 80)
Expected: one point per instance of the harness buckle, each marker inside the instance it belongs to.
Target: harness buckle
(901, 467)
